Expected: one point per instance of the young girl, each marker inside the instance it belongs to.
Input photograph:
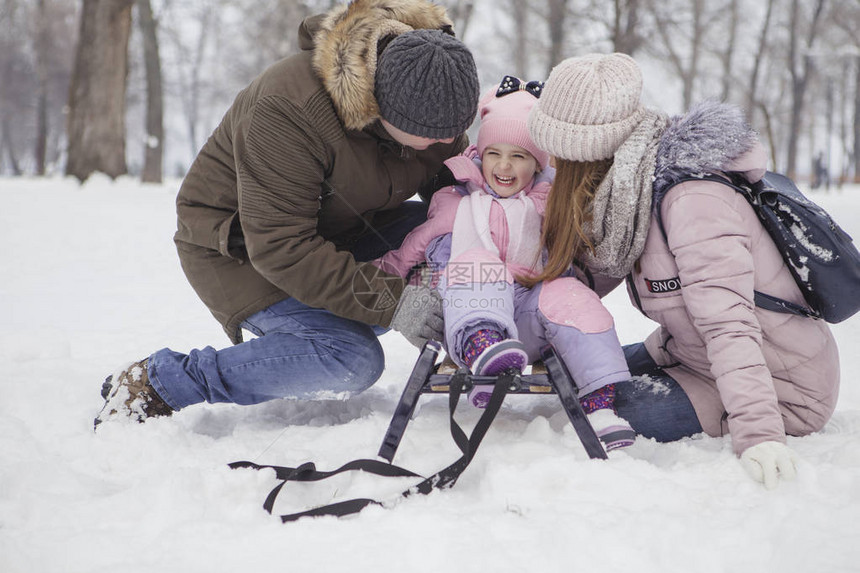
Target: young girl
(720, 364)
(483, 234)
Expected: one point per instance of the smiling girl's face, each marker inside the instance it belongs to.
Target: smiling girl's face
(507, 168)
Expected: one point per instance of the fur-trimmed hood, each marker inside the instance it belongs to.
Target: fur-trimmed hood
(711, 137)
(345, 49)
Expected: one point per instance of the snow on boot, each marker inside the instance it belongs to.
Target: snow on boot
(128, 394)
(612, 430)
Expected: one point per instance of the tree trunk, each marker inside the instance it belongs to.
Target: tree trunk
(728, 55)
(768, 128)
(191, 85)
(798, 87)
(42, 47)
(684, 60)
(96, 125)
(461, 14)
(857, 122)
(41, 151)
(7, 145)
(698, 33)
(557, 12)
(520, 11)
(828, 128)
(625, 27)
(799, 78)
(154, 144)
(752, 95)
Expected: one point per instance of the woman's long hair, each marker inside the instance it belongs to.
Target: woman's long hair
(568, 211)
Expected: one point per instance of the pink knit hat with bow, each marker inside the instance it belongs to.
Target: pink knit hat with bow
(504, 112)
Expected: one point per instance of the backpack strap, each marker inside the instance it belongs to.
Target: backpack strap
(442, 479)
(776, 304)
(659, 194)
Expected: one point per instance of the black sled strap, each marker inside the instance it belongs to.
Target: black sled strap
(442, 479)
(308, 472)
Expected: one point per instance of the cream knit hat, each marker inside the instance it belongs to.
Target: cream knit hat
(589, 106)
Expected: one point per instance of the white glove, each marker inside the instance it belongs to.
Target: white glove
(768, 462)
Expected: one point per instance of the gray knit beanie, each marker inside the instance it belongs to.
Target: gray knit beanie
(589, 106)
(427, 84)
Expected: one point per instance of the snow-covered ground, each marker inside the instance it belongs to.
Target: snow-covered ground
(89, 279)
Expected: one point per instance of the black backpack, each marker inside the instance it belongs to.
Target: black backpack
(820, 255)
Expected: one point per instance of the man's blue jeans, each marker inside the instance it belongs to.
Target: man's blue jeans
(300, 352)
(653, 403)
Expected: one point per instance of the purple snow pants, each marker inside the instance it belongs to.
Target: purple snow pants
(563, 312)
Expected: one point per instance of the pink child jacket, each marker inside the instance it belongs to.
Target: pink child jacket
(443, 211)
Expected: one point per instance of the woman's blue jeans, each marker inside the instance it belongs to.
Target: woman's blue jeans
(652, 402)
(300, 351)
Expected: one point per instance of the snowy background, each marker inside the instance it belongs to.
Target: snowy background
(89, 280)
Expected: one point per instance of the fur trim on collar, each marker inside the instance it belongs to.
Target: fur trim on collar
(705, 140)
(346, 49)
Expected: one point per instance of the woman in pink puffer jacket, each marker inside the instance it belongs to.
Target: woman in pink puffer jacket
(717, 363)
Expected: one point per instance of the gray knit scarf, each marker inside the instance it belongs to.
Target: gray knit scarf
(622, 202)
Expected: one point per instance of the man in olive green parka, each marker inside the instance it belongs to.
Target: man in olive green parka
(306, 179)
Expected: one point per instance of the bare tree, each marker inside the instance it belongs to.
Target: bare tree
(211, 48)
(15, 85)
(274, 25)
(857, 120)
(191, 43)
(521, 47)
(800, 63)
(154, 144)
(843, 93)
(52, 32)
(557, 16)
(43, 48)
(845, 17)
(758, 58)
(96, 127)
(682, 35)
(726, 56)
(625, 32)
(35, 67)
(460, 12)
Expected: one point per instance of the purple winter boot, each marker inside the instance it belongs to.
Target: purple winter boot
(488, 353)
(614, 431)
